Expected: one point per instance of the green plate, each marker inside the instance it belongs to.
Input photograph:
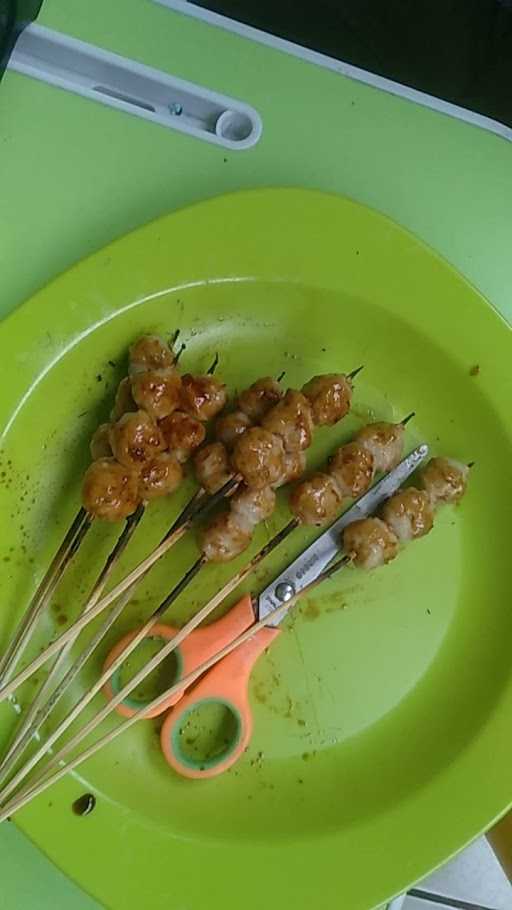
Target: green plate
(382, 714)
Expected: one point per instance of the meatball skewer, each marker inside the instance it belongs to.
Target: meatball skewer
(407, 515)
(136, 440)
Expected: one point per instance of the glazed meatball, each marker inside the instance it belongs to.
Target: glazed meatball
(352, 468)
(409, 514)
(110, 490)
(292, 420)
(258, 457)
(294, 465)
(230, 427)
(135, 439)
(259, 398)
(330, 396)
(100, 442)
(445, 480)
(250, 506)
(224, 539)
(370, 543)
(384, 441)
(150, 352)
(202, 396)
(157, 391)
(183, 434)
(123, 402)
(160, 476)
(212, 467)
(316, 501)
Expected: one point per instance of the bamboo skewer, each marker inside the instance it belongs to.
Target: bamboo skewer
(44, 593)
(46, 780)
(127, 582)
(170, 646)
(33, 717)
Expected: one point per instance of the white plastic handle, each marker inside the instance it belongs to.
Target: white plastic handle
(137, 89)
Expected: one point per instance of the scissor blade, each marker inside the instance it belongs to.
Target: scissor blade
(315, 558)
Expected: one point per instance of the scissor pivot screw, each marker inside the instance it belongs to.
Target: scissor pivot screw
(285, 591)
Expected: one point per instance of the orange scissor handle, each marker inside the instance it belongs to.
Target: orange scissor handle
(227, 684)
(199, 646)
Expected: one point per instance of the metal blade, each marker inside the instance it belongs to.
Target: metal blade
(315, 558)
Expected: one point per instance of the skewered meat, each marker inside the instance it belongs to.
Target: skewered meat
(292, 420)
(150, 352)
(100, 442)
(182, 433)
(409, 514)
(230, 427)
(249, 506)
(160, 476)
(316, 500)
(384, 441)
(224, 539)
(135, 439)
(259, 398)
(445, 480)
(202, 396)
(352, 468)
(330, 396)
(110, 490)
(258, 457)
(370, 543)
(157, 391)
(124, 399)
(212, 467)
(294, 465)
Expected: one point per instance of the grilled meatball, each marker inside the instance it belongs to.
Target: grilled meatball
(183, 434)
(445, 480)
(150, 352)
(110, 490)
(292, 420)
(123, 402)
(157, 391)
(212, 467)
(135, 439)
(160, 476)
(370, 543)
(258, 457)
(100, 443)
(384, 441)
(330, 396)
(259, 398)
(352, 468)
(230, 427)
(409, 514)
(202, 396)
(316, 501)
(250, 506)
(224, 539)
(294, 465)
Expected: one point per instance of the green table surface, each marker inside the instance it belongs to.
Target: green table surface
(75, 174)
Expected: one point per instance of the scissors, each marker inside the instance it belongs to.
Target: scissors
(227, 683)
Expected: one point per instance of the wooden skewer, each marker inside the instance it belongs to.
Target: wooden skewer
(46, 780)
(354, 373)
(34, 716)
(44, 593)
(170, 646)
(202, 507)
(39, 712)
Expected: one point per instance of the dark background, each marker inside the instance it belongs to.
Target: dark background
(14, 15)
(458, 50)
